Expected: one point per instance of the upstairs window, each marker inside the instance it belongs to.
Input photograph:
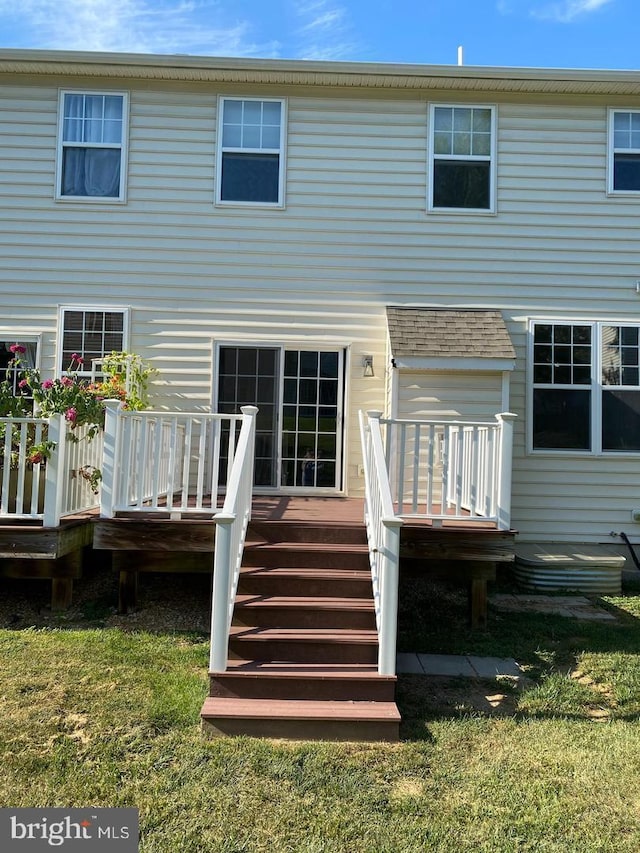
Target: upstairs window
(92, 146)
(462, 158)
(250, 162)
(586, 387)
(90, 334)
(624, 151)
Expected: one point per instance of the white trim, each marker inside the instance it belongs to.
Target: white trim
(281, 152)
(111, 309)
(612, 151)
(506, 391)
(123, 146)
(460, 363)
(492, 158)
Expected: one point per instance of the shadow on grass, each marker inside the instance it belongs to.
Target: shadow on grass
(167, 603)
(574, 669)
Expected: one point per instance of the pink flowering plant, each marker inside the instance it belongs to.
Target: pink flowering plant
(23, 393)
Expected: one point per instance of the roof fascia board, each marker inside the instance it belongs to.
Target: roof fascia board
(461, 363)
(318, 73)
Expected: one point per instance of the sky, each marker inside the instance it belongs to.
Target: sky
(526, 33)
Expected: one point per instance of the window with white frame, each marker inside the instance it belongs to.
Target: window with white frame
(17, 353)
(624, 151)
(461, 158)
(92, 146)
(90, 333)
(586, 387)
(250, 161)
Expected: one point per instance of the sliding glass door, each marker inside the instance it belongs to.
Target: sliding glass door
(299, 394)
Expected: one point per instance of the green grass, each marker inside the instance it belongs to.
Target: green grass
(108, 717)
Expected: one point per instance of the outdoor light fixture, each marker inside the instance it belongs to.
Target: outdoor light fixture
(367, 365)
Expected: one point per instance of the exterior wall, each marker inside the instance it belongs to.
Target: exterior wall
(431, 394)
(354, 237)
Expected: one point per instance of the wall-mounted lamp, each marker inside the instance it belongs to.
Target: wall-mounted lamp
(367, 365)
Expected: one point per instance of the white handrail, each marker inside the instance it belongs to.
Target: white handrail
(231, 529)
(383, 536)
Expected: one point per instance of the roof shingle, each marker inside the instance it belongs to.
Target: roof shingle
(448, 333)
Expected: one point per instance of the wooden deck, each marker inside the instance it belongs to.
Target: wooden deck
(48, 553)
(464, 551)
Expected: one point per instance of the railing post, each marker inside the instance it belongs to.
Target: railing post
(55, 481)
(505, 464)
(251, 412)
(389, 597)
(220, 595)
(109, 459)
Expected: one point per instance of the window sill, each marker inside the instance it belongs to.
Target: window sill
(461, 211)
(585, 454)
(253, 205)
(89, 199)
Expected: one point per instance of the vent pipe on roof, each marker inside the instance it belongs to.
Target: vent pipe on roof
(460, 54)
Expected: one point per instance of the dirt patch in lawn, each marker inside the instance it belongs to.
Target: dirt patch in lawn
(166, 602)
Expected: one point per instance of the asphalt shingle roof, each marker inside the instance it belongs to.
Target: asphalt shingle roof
(443, 332)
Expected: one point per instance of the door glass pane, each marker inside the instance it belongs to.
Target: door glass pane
(310, 441)
(248, 378)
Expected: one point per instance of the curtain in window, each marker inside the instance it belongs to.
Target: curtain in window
(91, 120)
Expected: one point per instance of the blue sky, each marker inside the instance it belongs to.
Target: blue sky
(545, 33)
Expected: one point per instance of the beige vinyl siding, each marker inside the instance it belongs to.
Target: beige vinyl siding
(430, 394)
(353, 238)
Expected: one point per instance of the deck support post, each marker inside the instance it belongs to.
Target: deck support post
(478, 602)
(127, 591)
(61, 593)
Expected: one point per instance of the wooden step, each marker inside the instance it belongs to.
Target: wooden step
(316, 531)
(301, 720)
(280, 611)
(287, 680)
(307, 554)
(308, 582)
(311, 645)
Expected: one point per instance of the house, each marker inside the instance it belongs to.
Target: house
(436, 243)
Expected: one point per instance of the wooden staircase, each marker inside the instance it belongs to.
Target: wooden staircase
(303, 645)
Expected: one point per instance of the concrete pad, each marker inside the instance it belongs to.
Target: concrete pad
(451, 665)
(408, 662)
(488, 667)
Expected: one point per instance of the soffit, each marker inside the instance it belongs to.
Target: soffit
(317, 73)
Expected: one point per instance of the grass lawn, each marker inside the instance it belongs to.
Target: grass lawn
(99, 714)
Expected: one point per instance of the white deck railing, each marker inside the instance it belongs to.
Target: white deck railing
(159, 462)
(231, 528)
(46, 492)
(383, 536)
(451, 469)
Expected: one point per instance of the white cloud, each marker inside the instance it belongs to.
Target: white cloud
(142, 26)
(568, 10)
(325, 31)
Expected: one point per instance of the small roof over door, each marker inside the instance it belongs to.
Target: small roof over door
(449, 339)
